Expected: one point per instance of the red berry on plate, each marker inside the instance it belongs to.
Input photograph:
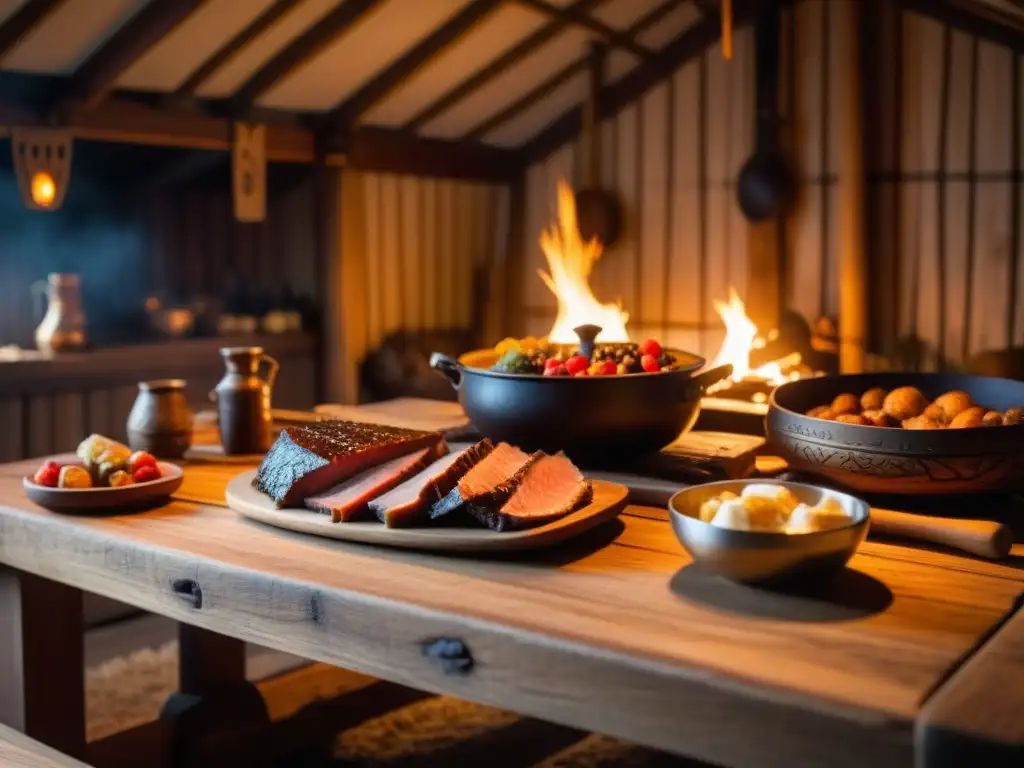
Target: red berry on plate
(576, 363)
(146, 473)
(608, 368)
(140, 459)
(47, 475)
(650, 363)
(650, 347)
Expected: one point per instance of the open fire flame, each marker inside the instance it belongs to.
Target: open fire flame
(570, 261)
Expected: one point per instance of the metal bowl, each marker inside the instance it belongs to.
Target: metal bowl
(895, 460)
(762, 557)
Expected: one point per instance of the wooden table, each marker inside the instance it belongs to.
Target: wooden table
(909, 654)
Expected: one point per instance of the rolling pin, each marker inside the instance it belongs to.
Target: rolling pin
(982, 538)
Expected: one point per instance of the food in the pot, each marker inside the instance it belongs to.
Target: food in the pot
(953, 403)
(47, 475)
(539, 357)
(140, 459)
(970, 417)
(409, 503)
(146, 474)
(74, 476)
(347, 500)
(120, 478)
(904, 403)
(550, 488)
(313, 458)
(489, 483)
(873, 399)
(772, 508)
(845, 403)
(952, 410)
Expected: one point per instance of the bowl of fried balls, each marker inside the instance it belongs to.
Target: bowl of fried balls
(903, 433)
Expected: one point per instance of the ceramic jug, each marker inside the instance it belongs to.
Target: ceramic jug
(243, 400)
(63, 325)
(160, 421)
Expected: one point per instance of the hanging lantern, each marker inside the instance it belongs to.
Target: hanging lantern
(42, 165)
(249, 172)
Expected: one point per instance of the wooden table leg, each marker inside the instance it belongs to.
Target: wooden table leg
(42, 679)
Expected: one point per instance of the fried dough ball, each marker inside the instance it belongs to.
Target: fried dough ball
(904, 403)
(877, 418)
(822, 412)
(872, 399)
(972, 417)
(993, 419)
(1013, 416)
(853, 418)
(954, 403)
(935, 413)
(845, 403)
(921, 422)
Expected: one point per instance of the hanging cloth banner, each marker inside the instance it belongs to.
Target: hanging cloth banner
(42, 165)
(249, 172)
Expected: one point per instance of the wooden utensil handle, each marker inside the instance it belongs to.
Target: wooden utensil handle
(979, 537)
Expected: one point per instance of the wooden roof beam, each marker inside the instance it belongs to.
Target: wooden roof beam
(411, 61)
(230, 49)
(24, 20)
(974, 18)
(585, 20)
(302, 49)
(614, 97)
(481, 77)
(495, 121)
(96, 77)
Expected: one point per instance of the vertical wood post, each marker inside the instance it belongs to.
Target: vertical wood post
(850, 192)
(515, 259)
(42, 680)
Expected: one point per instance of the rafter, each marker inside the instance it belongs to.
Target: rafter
(483, 76)
(561, 77)
(230, 49)
(585, 20)
(691, 43)
(24, 20)
(304, 48)
(95, 78)
(409, 63)
(974, 18)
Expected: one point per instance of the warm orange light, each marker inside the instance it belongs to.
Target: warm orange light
(740, 339)
(44, 190)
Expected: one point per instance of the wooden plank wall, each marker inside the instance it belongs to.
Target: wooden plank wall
(673, 158)
(408, 257)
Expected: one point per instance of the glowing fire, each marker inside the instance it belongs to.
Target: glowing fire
(740, 338)
(570, 261)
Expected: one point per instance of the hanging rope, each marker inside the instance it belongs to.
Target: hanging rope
(727, 29)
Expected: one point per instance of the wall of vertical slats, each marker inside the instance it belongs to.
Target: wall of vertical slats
(672, 157)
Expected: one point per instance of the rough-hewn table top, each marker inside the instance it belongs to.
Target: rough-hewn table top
(616, 634)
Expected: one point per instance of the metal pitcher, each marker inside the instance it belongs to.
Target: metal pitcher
(63, 325)
(243, 400)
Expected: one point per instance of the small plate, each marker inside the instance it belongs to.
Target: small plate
(62, 499)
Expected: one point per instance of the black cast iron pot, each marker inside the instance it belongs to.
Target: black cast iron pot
(594, 419)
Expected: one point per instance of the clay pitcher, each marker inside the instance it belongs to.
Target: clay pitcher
(63, 325)
(160, 421)
(243, 399)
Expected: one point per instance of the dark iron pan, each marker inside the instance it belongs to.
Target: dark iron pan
(894, 460)
(596, 420)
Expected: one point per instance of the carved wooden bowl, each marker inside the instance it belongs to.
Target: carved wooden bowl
(895, 460)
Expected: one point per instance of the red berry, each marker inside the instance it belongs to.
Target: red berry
(650, 363)
(550, 363)
(146, 473)
(581, 373)
(651, 347)
(608, 368)
(140, 459)
(48, 474)
(576, 363)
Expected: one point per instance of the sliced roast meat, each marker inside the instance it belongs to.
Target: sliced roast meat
(348, 500)
(550, 487)
(409, 503)
(310, 459)
(490, 482)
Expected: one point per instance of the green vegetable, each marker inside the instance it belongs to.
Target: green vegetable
(514, 361)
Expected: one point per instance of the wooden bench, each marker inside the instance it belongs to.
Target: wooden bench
(19, 751)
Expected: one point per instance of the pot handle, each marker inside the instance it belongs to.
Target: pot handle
(697, 385)
(447, 367)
